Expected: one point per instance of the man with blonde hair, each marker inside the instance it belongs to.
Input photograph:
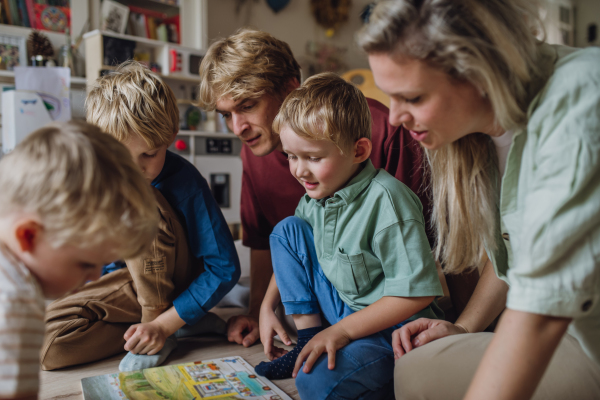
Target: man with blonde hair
(246, 77)
(168, 291)
(71, 200)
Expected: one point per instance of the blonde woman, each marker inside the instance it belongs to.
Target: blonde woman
(512, 132)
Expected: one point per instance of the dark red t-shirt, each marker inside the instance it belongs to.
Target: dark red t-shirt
(270, 192)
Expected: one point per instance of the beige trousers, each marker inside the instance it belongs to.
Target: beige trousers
(443, 370)
(89, 325)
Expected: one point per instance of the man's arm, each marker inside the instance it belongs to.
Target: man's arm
(243, 329)
(518, 356)
(261, 270)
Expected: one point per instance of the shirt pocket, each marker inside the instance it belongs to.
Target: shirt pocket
(352, 273)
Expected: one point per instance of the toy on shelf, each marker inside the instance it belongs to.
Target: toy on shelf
(39, 48)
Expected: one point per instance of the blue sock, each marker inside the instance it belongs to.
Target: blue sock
(283, 367)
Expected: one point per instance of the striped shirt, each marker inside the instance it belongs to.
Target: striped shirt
(21, 328)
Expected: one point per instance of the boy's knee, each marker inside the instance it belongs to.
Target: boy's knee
(306, 385)
(50, 357)
(290, 227)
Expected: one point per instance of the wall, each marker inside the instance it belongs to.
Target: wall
(586, 12)
(294, 25)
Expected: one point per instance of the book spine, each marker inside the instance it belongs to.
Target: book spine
(24, 14)
(7, 12)
(147, 25)
(30, 13)
(14, 12)
(149, 13)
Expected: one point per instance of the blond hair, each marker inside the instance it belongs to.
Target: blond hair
(246, 65)
(84, 187)
(133, 100)
(326, 107)
(491, 45)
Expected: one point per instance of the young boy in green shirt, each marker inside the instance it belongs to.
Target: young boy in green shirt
(355, 251)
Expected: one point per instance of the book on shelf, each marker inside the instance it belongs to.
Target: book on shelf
(51, 15)
(153, 25)
(114, 16)
(228, 377)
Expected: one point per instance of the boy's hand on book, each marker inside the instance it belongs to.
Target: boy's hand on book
(148, 338)
(421, 331)
(329, 340)
(270, 326)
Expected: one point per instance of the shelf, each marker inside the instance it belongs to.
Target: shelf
(173, 77)
(208, 134)
(75, 80)
(155, 5)
(139, 39)
(187, 102)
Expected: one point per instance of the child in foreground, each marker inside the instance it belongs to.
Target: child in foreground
(355, 252)
(72, 200)
(192, 262)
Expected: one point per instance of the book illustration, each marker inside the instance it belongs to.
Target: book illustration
(223, 379)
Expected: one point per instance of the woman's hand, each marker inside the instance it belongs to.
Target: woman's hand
(270, 326)
(421, 331)
(329, 340)
(148, 338)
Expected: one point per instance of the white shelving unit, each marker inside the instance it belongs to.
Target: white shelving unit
(193, 18)
(10, 77)
(161, 53)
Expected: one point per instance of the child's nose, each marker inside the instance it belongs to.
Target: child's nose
(302, 169)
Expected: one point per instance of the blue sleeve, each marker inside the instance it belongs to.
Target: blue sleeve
(210, 241)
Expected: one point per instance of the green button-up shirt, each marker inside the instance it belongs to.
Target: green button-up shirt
(550, 200)
(370, 241)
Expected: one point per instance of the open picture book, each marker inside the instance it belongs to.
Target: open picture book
(222, 378)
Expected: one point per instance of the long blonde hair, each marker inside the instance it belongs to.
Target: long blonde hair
(491, 45)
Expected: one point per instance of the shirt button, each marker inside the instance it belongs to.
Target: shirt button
(506, 237)
(586, 306)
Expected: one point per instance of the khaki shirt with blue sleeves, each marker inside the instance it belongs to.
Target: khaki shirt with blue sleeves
(549, 243)
(370, 241)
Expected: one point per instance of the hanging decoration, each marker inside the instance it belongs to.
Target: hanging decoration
(330, 14)
(325, 57)
(277, 5)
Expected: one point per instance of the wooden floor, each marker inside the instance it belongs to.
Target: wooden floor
(65, 384)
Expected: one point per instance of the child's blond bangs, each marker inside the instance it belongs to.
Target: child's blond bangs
(133, 100)
(326, 107)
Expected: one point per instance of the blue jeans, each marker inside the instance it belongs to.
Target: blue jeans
(364, 369)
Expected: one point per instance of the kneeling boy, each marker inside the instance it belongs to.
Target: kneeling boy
(192, 263)
(72, 200)
(355, 251)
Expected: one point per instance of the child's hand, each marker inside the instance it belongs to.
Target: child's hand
(270, 326)
(421, 331)
(148, 338)
(329, 340)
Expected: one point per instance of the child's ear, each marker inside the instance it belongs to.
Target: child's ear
(27, 234)
(362, 150)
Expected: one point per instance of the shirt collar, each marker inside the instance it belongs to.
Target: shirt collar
(348, 193)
